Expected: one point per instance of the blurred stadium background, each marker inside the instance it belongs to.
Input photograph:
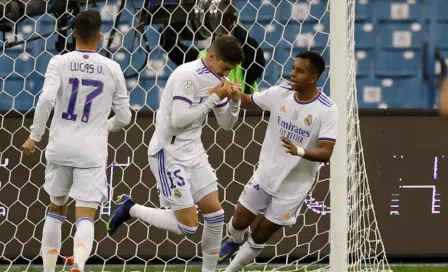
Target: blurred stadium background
(401, 50)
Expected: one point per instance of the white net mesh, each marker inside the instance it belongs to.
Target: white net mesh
(281, 27)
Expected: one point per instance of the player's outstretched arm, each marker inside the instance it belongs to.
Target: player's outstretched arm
(443, 107)
(183, 113)
(120, 106)
(45, 104)
(227, 112)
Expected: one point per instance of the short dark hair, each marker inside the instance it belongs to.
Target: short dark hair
(316, 60)
(88, 24)
(228, 49)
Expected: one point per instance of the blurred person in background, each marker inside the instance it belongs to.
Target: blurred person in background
(443, 106)
(248, 72)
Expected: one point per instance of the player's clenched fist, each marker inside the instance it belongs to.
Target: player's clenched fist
(235, 91)
(222, 89)
(29, 147)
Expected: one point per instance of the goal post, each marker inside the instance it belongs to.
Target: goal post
(339, 65)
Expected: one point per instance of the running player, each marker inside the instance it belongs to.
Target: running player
(176, 155)
(83, 86)
(301, 133)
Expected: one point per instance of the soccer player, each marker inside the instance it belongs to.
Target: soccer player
(83, 86)
(301, 133)
(176, 155)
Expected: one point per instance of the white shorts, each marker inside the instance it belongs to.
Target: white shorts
(279, 211)
(83, 184)
(182, 183)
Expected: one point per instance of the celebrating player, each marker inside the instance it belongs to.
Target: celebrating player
(301, 133)
(83, 86)
(176, 155)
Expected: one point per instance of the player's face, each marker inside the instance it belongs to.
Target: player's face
(302, 75)
(219, 67)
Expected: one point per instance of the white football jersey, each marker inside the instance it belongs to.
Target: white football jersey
(305, 124)
(192, 83)
(84, 86)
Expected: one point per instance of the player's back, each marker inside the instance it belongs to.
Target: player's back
(78, 133)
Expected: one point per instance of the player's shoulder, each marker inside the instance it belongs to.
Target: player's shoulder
(282, 89)
(326, 103)
(112, 64)
(189, 69)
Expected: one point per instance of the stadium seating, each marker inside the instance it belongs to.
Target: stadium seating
(389, 40)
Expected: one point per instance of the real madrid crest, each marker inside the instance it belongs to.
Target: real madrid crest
(295, 115)
(177, 193)
(309, 120)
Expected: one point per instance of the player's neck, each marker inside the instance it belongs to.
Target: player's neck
(307, 94)
(86, 47)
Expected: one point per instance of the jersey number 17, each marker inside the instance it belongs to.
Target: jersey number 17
(98, 89)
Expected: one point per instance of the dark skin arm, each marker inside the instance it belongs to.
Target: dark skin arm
(319, 154)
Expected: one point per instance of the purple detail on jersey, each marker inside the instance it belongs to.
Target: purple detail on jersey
(324, 102)
(182, 98)
(327, 139)
(89, 98)
(85, 56)
(205, 66)
(287, 88)
(222, 104)
(306, 102)
(253, 102)
(86, 51)
(257, 187)
(203, 70)
(325, 98)
(70, 113)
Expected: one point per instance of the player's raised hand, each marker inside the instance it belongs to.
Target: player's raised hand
(29, 147)
(222, 89)
(235, 91)
(290, 147)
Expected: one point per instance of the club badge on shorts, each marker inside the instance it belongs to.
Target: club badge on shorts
(177, 193)
(309, 120)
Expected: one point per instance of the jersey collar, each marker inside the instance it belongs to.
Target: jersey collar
(306, 102)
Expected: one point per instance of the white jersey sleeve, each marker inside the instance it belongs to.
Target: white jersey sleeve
(329, 125)
(47, 98)
(227, 113)
(263, 100)
(185, 86)
(120, 105)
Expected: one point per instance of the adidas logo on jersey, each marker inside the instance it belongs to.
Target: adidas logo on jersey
(283, 108)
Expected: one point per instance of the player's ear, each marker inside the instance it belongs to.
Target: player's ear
(75, 34)
(314, 78)
(98, 37)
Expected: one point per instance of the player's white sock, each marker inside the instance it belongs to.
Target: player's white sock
(83, 241)
(248, 252)
(162, 219)
(237, 235)
(51, 240)
(211, 240)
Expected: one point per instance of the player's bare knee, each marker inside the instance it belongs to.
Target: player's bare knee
(86, 209)
(257, 242)
(58, 205)
(187, 230)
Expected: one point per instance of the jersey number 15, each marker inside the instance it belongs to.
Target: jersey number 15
(98, 89)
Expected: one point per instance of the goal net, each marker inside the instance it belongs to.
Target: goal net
(138, 34)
